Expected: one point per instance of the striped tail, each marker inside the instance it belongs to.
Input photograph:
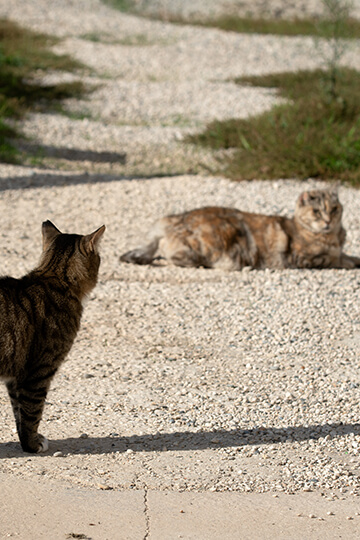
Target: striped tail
(143, 255)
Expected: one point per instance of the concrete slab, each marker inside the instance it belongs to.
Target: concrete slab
(247, 516)
(36, 510)
(31, 510)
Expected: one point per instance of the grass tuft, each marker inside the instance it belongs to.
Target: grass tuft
(311, 135)
(350, 28)
(281, 27)
(121, 5)
(22, 53)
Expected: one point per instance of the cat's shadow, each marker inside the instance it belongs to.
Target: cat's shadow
(186, 440)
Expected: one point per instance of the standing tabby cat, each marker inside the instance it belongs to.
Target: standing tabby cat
(215, 237)
(39, 319)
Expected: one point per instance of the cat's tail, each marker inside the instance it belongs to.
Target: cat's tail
(142, 255)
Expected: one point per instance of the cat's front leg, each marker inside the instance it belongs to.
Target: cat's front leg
(31, 405)
(348, 262)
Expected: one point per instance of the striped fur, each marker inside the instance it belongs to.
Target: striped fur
(39, 318)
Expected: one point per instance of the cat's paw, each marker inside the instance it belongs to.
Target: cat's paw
(44, 444)
(348, 262)
(35, 444)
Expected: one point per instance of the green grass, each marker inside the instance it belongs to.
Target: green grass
(23, 52)
(310, 135)
(133, 40)
(232, 23)
(122, 5)
(282, 27)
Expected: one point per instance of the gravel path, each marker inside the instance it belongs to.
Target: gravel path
(192, 9)
(180, 379)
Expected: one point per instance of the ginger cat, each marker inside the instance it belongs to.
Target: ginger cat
(226, 238)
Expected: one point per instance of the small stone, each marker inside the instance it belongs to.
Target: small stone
(349, 518)
(104, 487)
(312, 516)
(84, 436)
(330, 513)
(58, 454)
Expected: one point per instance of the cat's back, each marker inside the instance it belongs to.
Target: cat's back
(223, 220)
(31, 290)
(33, 305)
(17, 324)
(204, 214)
(200, 219)
(14, 295)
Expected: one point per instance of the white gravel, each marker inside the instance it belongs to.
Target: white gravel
(190, 9)
(154, 82)
(180, 379)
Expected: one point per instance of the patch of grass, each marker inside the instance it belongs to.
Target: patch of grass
(22, 53)
(8, 152)
(281, 27)
(250, 25)
(311, 135)
(122, 5)
(133, 40)
(25, 51)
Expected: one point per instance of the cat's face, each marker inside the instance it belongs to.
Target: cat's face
(319, 211)
(75, 257)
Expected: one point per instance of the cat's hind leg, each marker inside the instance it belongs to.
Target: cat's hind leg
(182, 252)
(13, 395)
(188, 258)
(142, 255)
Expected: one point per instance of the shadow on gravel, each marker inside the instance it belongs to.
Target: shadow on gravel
(188, 440)
(73, 154)
(45, 180)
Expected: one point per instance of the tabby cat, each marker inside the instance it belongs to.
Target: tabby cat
(39, 319)
(216, 237)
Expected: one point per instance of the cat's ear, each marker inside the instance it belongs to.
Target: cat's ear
(91, 241)
(304, 198)
(49, 232)
(334, 191)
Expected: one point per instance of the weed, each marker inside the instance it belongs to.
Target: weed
(23, 52)
(308, 136)
(349, 28)
(122, 5)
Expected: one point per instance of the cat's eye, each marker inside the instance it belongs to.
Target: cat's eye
(317, 212)
(333, 211)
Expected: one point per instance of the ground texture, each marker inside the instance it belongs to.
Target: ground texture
(180, 379)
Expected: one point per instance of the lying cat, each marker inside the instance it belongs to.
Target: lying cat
(216, 237)
(39, 319)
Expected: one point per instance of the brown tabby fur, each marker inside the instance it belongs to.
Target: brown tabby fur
(39, 319)
(215, 237)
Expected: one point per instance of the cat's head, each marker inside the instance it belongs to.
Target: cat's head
(73, 258)
(319, 211)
